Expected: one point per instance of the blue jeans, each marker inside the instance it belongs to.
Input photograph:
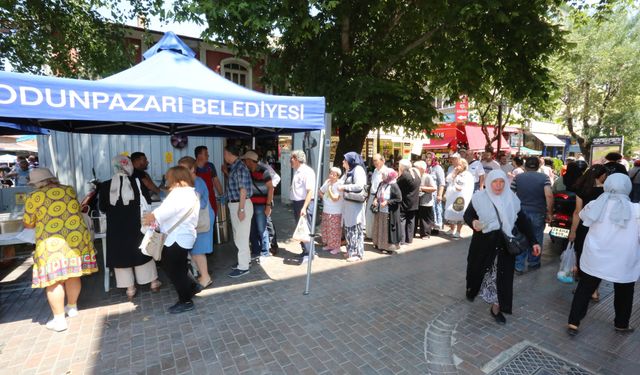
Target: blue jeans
(297, 207)
(537, 225)
(259, 234)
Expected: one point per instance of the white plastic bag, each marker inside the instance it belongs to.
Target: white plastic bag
(302, 230)
(567, 264)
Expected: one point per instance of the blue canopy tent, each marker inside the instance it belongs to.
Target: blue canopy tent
(7, 128)
(169, 92)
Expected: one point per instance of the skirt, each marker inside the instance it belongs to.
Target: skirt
(331, 228)
(381, 232)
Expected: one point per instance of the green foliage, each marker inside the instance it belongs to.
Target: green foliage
(64, 37)
(598, 78)
(379, 63)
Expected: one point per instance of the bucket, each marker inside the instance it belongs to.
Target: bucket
(222, 223)
(99, 222)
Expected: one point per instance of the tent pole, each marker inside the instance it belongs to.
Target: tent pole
(52, 153)
(315, 210)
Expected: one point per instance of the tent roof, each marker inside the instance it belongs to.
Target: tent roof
(170, 92)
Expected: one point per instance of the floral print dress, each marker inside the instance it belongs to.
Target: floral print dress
(64, 248)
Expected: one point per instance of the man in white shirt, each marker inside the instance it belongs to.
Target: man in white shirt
(488, 164)
(505, 165)
(303, 185)
(475, 168)
(376, 178)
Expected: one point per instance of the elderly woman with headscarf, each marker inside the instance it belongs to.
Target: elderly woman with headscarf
(611, 252)
(64, 250)
(354, 195)
(388, 197)
(460, 187)
(120, 198)
(493, 214)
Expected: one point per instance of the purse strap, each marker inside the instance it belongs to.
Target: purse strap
(183, 218)
(498, 215)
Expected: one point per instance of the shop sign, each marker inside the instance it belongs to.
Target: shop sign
(601, 146)
(462, 109)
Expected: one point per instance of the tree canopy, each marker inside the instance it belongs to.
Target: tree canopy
(598, 79)
(379, 64)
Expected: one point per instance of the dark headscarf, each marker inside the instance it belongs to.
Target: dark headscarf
(353, 159)
(574, 171)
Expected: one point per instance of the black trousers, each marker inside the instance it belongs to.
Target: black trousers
(175, 265)
(425, 221)
(622, 300)
(407, 225)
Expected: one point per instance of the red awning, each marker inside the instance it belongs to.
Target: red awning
(477, 141)
(436, 143)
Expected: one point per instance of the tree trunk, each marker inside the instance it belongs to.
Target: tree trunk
(350, 140)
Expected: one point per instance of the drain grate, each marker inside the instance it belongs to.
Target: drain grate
(533, 361)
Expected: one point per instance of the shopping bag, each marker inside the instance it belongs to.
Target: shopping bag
(152, 244)
(567, 264)
(302, 230)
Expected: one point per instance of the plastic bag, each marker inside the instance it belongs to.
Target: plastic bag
(302, 230)
(567, 264)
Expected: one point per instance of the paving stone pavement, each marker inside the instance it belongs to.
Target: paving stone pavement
(400, 314)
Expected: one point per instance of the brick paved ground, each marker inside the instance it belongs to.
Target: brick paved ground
(400, 314)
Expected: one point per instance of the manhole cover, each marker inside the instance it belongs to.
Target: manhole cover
(533, 361)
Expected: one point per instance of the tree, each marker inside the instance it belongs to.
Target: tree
(598, 78)
(379, 63)
(67, 38)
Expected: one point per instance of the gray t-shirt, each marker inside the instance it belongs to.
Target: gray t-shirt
(529, 187)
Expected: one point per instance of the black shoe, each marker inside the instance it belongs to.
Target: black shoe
(499, 318)
(234, 266)
(519, 273)
(534, 267)
(625, 330)
(238, 273)
(181, 307)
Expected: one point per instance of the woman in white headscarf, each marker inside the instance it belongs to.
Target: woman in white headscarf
(490, 267)
(611, 251)
(120, 200)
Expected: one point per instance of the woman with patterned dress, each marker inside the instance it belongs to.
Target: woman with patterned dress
(64, 250)
(204, 240)
(120, 198)
(332, 202)
(353, 215)
(492, 214)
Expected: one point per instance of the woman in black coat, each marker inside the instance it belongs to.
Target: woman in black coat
(494, 212)
(386, 230)
(120, 200)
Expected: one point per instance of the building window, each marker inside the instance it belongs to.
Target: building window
(237, 71)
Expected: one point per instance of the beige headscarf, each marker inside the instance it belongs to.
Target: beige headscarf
(120, 184)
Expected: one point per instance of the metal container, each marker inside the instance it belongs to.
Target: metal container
(11, 226)
(99, 222)
(222, 224)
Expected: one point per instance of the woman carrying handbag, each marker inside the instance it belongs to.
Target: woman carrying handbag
(177, 216)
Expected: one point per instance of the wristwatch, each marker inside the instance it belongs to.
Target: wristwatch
(241, 210)
(270, 204)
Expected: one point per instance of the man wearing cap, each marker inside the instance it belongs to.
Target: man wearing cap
(262, 200)
(240, 208)
(536, 201)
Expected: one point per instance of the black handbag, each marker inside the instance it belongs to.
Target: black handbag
(359, 196)
(515, 244)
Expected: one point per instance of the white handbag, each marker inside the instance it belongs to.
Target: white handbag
(204, 220)
(153, 240)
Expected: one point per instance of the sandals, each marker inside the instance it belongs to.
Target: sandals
(572, 330)
(155, 285)
(131, 292)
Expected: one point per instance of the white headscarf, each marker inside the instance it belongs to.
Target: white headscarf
(122, 169)
(616, 191)
(507, 204)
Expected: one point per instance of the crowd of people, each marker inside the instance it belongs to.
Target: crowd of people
(497, 199)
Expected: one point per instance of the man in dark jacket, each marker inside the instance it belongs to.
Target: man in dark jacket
(409, 184)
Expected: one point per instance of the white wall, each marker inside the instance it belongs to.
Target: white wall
(77, 154)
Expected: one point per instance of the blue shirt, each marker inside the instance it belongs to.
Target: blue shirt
(239, 177)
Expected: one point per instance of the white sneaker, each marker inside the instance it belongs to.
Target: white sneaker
(71, 312)
(456, 235)
(57, 325)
